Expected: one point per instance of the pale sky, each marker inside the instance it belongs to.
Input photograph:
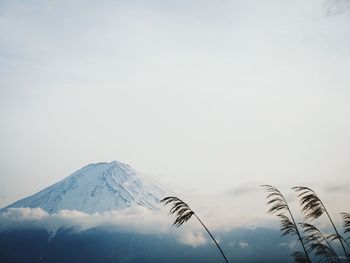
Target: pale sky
(207, 96)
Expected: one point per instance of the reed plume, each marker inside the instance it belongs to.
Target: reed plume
(333, 237)
(299, 257)
(317, 242)
(346, 222)
(346, 225)
(313, 208)
(279, 206)
(183, 213)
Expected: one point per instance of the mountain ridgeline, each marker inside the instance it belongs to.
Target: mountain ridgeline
(95, 188)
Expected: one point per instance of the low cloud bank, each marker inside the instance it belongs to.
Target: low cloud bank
(133, 220)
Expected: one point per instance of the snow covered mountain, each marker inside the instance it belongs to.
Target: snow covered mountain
(97, 188)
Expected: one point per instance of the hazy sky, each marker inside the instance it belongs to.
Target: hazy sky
(205, 95)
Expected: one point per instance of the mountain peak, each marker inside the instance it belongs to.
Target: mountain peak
(97, 187)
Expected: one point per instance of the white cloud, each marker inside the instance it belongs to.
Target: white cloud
(135, 219)
(243, 244)
(193, 239)
(240, 244)
(292, 245)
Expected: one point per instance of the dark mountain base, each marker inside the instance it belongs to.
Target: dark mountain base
(100, 245)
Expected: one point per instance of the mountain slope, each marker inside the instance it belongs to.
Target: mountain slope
(96, 188)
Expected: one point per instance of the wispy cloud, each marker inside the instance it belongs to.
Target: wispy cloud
(336, 7)
(243, 189)
(338, 188)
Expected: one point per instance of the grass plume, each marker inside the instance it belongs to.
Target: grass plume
(279, 206)
(313, 208)
(183, 213)
(346, 222)
(316, 242)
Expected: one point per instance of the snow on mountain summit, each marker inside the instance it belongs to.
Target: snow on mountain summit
(97, 188)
